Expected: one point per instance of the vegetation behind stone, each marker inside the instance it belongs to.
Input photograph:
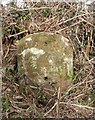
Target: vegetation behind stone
(73, 22)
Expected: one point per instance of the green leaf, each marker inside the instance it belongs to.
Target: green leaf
(5, 103)
(46, 12)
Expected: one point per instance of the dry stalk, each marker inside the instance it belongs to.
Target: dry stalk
(68, 26)
(77, 16)
(80, 106)
(50, 109)
(58, 101)
(8, 49)
(87, 22)
(18, 34)
(35, 8)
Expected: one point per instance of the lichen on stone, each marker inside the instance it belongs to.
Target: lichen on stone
(34, 51)
(28, 39)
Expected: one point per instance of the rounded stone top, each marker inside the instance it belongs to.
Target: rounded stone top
(44, 57)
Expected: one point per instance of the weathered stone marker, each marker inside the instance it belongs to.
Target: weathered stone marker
(46, 58)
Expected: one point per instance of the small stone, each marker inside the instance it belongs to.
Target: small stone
(44, 56)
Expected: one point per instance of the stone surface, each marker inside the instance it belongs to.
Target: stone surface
(46, 58)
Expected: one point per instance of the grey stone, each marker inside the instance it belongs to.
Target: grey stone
(46, 58)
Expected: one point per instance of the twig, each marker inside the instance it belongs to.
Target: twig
(12, 24)
(87, 22)
(32, 8)
(50, 109)
(58, 101)
(48, 20)
(71, 19)
(18, 34)
(78, 96)
(8, 49)
(76, 105)
(68, 26)
(69, 4)
(33, 87)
